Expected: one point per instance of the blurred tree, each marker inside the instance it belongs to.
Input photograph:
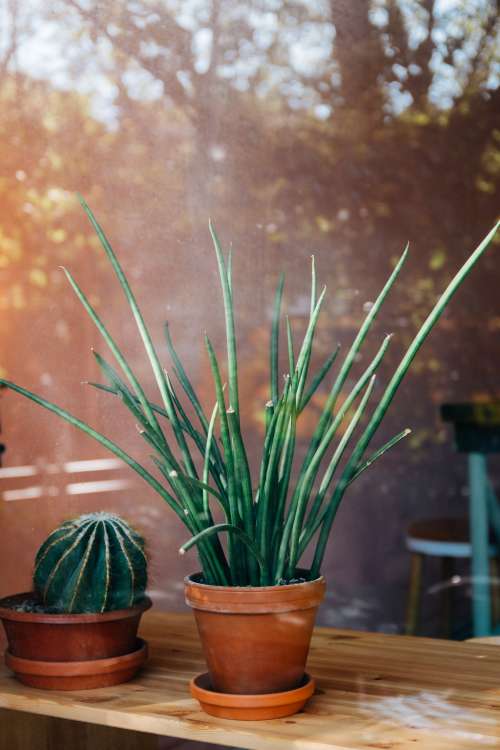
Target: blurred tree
(340, 127)
(384, 97)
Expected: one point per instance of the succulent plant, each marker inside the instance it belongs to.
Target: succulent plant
(271, 527)
(94, 563)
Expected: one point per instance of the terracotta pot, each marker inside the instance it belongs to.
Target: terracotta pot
(255, 639)
(251, 707)
(72, 638)
(78, 675)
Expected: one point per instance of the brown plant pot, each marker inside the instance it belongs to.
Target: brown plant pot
(255, 639)
(73, 639)
(251, 707)
(78, 675)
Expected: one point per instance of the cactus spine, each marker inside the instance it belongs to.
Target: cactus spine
(94, 563)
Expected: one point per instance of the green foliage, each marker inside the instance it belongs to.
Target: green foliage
(268, 530)
(94, 563)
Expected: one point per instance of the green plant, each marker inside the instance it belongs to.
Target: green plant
(94, 563)
(268, 529)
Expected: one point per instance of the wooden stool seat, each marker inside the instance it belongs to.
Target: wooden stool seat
(447, 539)
(442, 537)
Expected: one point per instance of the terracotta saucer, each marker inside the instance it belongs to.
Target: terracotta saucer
(78, 675)
(250, 707)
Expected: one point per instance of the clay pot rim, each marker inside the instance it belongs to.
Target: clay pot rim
(190, 580)
(6, 613)
(253, 599)
(20, 665)
(202, 693)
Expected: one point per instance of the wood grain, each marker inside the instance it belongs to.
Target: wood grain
(22, 731)
(374, 691)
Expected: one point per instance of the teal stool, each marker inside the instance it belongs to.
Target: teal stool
(447, 539)
(477, 433)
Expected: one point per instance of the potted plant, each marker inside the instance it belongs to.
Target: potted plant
(254, 605)
(78, 628)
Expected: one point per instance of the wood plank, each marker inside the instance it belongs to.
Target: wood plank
(374, 691)
(22, 731)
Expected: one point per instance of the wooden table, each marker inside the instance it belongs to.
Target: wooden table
(373, 691)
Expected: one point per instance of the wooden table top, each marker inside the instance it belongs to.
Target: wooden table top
(373, 691)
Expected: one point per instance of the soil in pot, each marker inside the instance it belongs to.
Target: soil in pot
(255, 639)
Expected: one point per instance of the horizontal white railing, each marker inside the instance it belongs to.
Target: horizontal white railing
(88, 487)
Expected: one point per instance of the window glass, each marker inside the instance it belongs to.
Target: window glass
(340, 130)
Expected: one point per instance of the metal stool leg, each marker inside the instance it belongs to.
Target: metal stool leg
(479, 533)
(414, 594)
(495, 592)
(447, 568)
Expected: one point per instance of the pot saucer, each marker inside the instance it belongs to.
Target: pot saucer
(78, 675)
(250, 707)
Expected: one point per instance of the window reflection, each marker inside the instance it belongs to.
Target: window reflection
(337, 128)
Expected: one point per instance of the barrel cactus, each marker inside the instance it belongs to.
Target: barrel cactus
(94, 563)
